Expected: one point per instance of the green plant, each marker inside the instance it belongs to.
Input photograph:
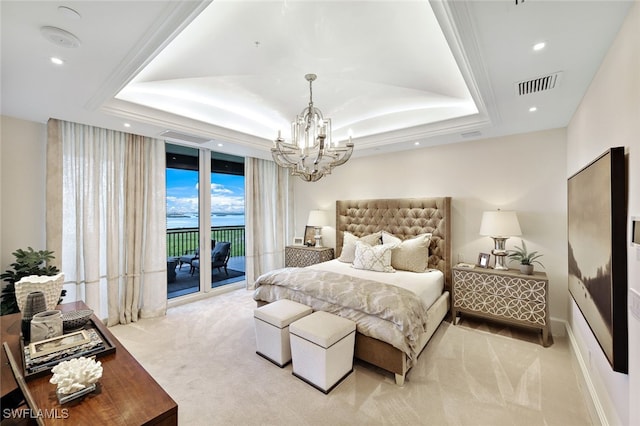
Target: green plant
(28, 262)
(525, 258)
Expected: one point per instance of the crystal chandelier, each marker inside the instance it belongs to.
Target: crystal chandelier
(311, 154)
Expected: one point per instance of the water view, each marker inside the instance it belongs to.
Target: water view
(226, 196)
(176, 221)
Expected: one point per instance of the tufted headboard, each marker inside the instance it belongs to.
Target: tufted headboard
(404, 218)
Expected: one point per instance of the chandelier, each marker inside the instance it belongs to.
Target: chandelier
(311, 154)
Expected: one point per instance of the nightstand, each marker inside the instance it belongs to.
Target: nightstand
(506, 296)
(301, 256)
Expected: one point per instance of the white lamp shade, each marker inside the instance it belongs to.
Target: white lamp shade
(500, 224)
(317, 218)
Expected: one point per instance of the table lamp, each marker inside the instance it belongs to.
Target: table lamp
(500, 225)
(317, 219)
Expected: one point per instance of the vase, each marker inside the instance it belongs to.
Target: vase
(51, 286)
(526, 269)
(34, 304)
(46, 325)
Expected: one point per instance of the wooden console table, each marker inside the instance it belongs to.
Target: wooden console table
(127, 395)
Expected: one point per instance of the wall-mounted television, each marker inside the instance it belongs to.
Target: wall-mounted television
(597, 225)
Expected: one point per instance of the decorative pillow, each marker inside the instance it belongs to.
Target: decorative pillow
(373, 258)
(412, 255)
(388, 238)
(349, 245)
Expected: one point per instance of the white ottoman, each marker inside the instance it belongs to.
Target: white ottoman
(272, 329)
(322, 349)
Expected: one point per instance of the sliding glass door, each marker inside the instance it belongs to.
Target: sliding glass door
(203, 184)
(183, 219)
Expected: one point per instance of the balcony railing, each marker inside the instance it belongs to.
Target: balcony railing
(182, 241)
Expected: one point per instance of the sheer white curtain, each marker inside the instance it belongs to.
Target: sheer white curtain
(110, 219)
(268, 216)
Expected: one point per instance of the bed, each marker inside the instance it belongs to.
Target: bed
(388, 337)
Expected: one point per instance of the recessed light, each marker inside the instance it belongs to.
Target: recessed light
(539, 46)
(127, 125)
(533, 109)
(56, 61)
(416, 143)
(220, 144)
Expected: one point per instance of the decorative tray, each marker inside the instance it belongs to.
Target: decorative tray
(93, 344)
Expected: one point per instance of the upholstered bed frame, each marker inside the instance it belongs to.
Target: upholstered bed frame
(404, 218)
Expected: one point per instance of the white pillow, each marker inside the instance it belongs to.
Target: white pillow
(373, 258)
(349, 245)
(388, 238)
(412, 255)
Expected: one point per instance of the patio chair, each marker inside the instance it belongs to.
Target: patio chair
(190, 257)
(171, 270)
(219, 257)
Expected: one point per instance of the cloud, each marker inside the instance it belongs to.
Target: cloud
(182, 204)
(220, 189)
(219, 204)
(223, 198)
(226, 204)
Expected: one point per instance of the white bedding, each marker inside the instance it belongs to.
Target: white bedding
(428, 286)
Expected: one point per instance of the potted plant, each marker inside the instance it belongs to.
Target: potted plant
(28, 262)
(525, 258)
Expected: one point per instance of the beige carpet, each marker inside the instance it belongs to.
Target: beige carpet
(203, 355)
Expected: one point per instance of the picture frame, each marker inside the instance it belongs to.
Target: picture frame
(59, 343)
(483, 260)
(309, 236)
(100, 345)
(298, 241)
(597, 247)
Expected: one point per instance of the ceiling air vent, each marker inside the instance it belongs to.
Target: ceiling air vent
(170, 134)
(539, 84)
(471, 134)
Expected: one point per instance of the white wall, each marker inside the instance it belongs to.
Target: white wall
(525, 173)
(608, 116)
(22, 187)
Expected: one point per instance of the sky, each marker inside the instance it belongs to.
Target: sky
(227, 192)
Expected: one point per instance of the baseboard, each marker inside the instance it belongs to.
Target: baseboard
(597, 407)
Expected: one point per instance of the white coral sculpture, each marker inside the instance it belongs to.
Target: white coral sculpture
(76, 374)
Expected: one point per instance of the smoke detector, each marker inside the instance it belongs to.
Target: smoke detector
(60, 37)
